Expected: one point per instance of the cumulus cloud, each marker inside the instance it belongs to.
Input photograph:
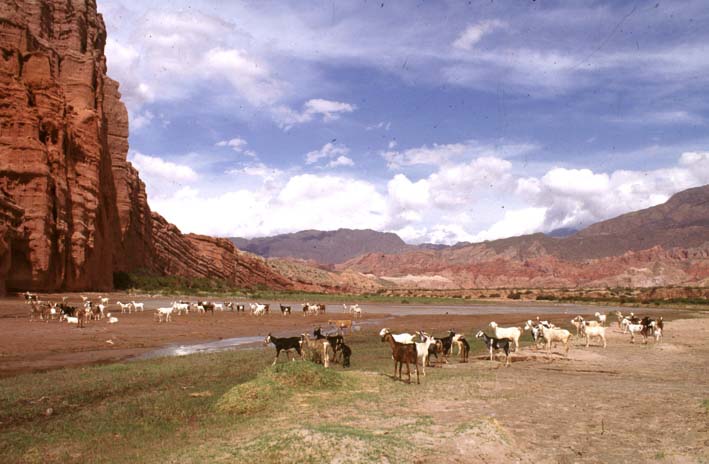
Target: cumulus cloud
(579, 197)
(452, 204)
(158, 167)
(162, 177)
(304, 201)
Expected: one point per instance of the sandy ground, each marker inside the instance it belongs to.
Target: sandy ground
(34, 346)
(626, 403)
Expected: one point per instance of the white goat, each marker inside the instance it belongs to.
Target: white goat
(72, 319)
(556, 335)
(164, 313)
(601, 318)
(104, 301)
(218, 306)
(125, 307)
(111, 319)
(180, 308)
(422, 349)
(510, 333)
(406, 338)
(138, 306)
(258, 309)
(590, 332)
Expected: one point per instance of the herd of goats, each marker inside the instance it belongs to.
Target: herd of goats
(331, 348)
(90, 311)
(405, 350)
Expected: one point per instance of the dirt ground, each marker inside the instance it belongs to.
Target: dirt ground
(629, 403)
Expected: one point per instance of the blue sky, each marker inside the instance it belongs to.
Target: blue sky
(440, 121)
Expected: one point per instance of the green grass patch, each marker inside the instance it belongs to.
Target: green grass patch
(276, 384)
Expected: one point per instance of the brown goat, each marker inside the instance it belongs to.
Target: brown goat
(403, 353)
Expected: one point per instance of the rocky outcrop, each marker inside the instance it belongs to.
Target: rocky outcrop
(74, 210)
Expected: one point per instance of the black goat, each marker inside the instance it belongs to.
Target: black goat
(285, 310)
(346, 353)
(66, 310)
(286, 344)
(494, 344)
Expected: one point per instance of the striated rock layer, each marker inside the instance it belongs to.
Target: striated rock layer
(72, 208)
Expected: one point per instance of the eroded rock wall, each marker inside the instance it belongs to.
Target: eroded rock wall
(79, 208)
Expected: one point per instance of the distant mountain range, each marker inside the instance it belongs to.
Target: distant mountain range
(324, 247)
(667, 244)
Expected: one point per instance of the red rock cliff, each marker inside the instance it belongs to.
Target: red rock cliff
(73, 209)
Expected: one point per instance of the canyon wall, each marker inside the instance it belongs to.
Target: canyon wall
(72, 208)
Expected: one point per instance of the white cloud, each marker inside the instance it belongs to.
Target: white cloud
(440, 154)
(340, 161)
(328, 110)
(247, 75)
(304, 201)
(436, 154)
(238, 145)
(515, 222)
(155, 166)
(337, 154)
(475, 32)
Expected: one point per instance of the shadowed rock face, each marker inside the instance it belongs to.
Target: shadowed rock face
(73, 210)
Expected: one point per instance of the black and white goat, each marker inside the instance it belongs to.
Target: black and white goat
(287, 344)
(495, 344)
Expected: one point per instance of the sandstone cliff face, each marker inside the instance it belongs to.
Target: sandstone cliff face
(73, 209)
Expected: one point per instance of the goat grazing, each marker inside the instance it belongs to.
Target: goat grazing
(284, 344)
(495, 344)
(403, 353)
(510, 333)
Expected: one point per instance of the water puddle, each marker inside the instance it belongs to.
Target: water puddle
(207, 347)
